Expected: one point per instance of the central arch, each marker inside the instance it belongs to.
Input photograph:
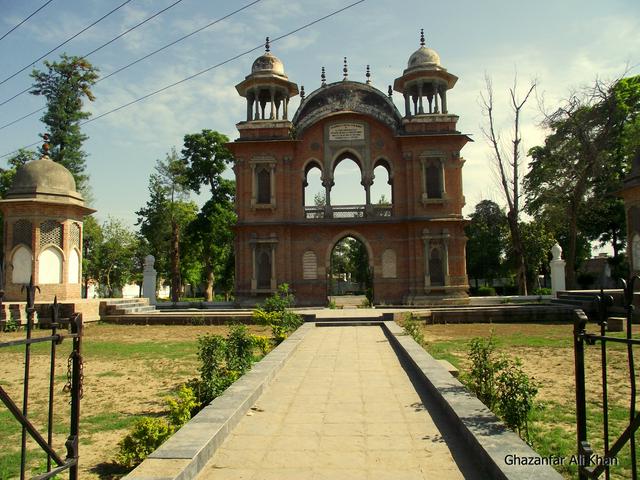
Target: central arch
(356, 278)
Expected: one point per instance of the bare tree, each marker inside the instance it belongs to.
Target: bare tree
(508, 164)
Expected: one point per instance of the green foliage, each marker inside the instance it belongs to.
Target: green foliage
(486, 292)
(11, 325)
(222, 362)
(515, 395)
(181, 407)
(206, 157)
(350, 256)
(274, 312)
(64, 85)
(484, 367)
(147, 435)
(542, 291)
(262, 343)
(332, 305)
(488, 235)
(412, 326)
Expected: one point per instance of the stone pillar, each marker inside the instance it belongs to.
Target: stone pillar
(257, 100)
(407, 107)
(149, 279)
(272, 94)
(285, 108)
(435, 99)
(557, 270)
(444, 101)
(421, 107)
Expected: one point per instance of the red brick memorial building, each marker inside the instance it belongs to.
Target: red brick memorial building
(415, 245)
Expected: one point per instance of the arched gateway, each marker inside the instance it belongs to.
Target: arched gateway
(415, 241)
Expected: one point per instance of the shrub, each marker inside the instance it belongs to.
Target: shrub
(412, 327)
(147, 435)
(11, 325)
(486, 292)
(542, 291)
(515, 394)
(182, 407)
(484, 368)
(274, 312)
(332, 305)
(263, 344)
(239, 352)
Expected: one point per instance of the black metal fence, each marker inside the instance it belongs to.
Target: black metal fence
(56, 462)
(591, 463)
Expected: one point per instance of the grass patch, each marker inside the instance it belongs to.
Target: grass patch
(106, 421)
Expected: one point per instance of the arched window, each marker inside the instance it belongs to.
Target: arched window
(264, 270)
(50, 266)
(347, 191)
(381, 191)
(73, 272)
(264, 185)
(436, 269)
(434, 180)
(22, 264)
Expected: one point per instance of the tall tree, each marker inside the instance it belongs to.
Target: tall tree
(508, 164)
(64, 85)
(206, 158)
(92, 238)
(165, 216)
(583, 160)
(488, 233)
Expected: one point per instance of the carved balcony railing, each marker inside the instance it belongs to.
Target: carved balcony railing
(348, 211)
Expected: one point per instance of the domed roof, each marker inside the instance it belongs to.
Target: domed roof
(43, 174)
(424, 57)
(268, 63)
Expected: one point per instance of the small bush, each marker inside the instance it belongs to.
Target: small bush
(182, 407)
(486, 292)
(412, 327)
(484, 368)
(274, 312)
(147, 435)
(263, 344)
(332, 305)
(11, 325)
(542, 291)
(239, 352)
(515, 394)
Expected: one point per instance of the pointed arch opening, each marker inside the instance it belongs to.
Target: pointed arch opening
(50, 266)
(348, 195)
(313, 192)
(22, 263)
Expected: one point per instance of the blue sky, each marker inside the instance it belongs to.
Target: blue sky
(562, 44)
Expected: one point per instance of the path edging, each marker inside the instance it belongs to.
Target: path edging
(489, 439)
(187, 451)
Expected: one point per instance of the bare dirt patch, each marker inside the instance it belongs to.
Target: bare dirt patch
(119, 384)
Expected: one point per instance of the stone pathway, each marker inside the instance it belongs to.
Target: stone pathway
(341, 408)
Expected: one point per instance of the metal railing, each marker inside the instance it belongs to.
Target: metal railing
(592, 464)
(348, 211)
(73, 387)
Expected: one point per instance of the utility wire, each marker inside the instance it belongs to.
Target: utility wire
(135, 61)
(201, 72)
(66, 41)
(45, 4)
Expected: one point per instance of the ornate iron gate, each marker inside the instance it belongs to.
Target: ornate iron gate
(593, 464)
(73, 387)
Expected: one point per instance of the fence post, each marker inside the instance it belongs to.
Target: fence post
(76, 394)
(579, 329)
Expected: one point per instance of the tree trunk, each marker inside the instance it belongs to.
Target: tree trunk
(175, 262)
(208, 291)
(518, 252)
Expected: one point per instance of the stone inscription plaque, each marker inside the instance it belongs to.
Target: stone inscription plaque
(346, 131)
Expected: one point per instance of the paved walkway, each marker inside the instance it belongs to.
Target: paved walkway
(341, 408)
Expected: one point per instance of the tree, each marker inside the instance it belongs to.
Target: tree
(487, 235)
(64, 85)
(537, 241)
(165, 216)
(509, 164)
(211, 234)
(583, 161)
(116, 255)
(206, 157)
(92, 238)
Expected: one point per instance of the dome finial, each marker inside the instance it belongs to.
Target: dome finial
(368, 75)
(45, 145)
(323, 78)
(345, 70)
(390, 92)
(422, 37)
(267, 46)
(301, 92)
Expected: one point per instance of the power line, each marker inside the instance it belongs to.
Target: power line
(66, 41)
(18, 25)
(184, 37)
(201, 72)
